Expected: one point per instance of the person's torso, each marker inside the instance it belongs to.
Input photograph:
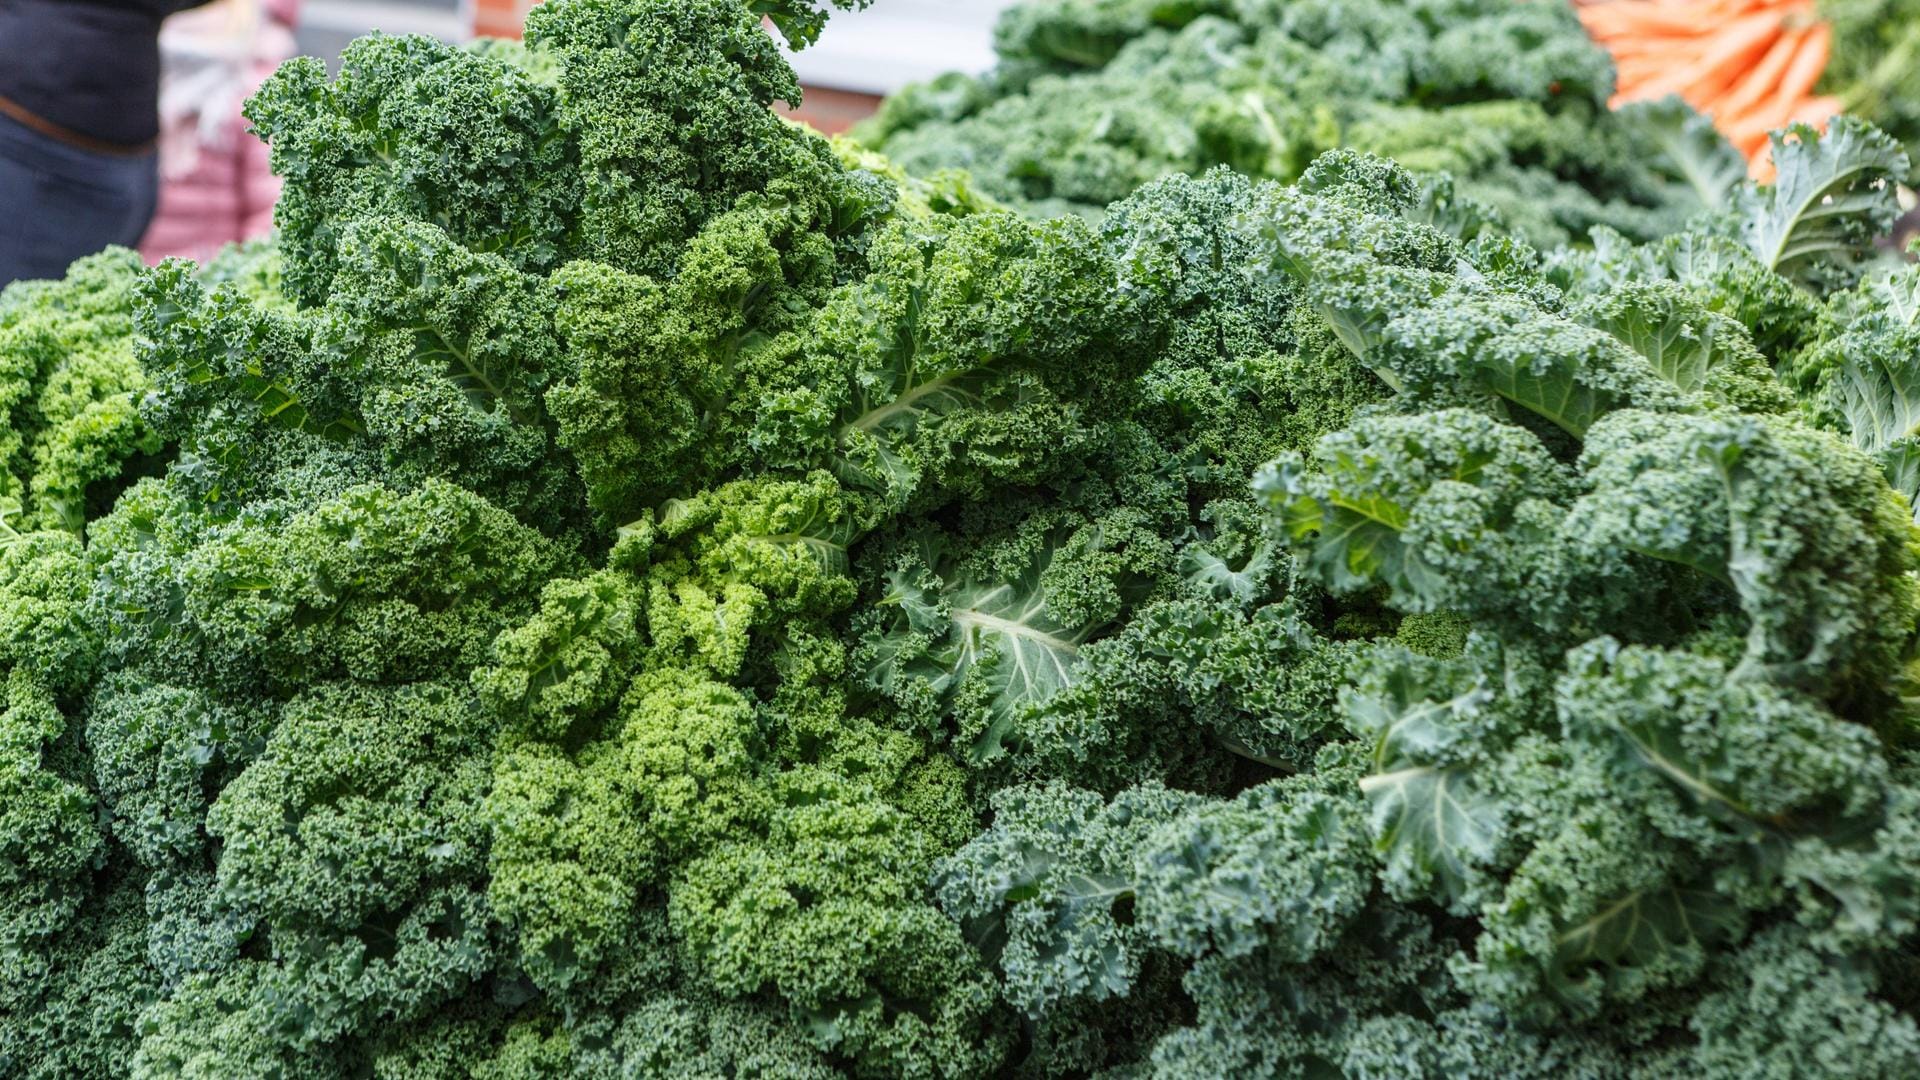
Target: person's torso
(91, 67)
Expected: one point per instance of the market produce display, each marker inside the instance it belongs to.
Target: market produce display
(1752, 68)
(1756, 66)
(626, 587)
(1093, 98)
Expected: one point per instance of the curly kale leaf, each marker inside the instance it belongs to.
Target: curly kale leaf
(950, 636)
(1690, 149)
(370, 584)
(664, 106)
(1045, 892)
(800, 21)
(957, 363)
(1802, 528)
(412, 127)
(1434, 824)
(70, 384)
(1870, 369)
(898, 987)
(1694, 348)
(1434, 506)
(1832, 197)
(50, 840)
(1072, 894)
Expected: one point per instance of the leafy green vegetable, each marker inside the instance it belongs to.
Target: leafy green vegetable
(69, 393)
(1090, 100)
(1832, 195)
(623, 586)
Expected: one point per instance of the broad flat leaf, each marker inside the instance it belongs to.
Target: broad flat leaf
(1431, 824)
(1645, 927)
(1548, 386)
(1566, 373)
(1834, 195)
(1878, 391)
(1901, 463)
(1876, 384)
(1220, 579)
(1887, 302)
(1551, 366)
(949, 631)
(1429, 821)
(1675, 332)
(1030, 655)
(824, 534)
(1688, 148)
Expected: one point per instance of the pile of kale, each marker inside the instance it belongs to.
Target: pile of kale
(625, 587)
(1093, 98)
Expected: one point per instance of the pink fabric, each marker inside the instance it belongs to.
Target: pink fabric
(228, 196)
(228, 193)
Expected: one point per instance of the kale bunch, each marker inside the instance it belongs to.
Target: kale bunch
(624, 586)
(1093, 98)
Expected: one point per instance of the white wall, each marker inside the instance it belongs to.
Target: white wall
(327, 25)
(896, 42)
(875, 51)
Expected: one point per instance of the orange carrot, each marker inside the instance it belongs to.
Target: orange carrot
(1645, 19)
(1716, 80)
(1758, 84)
(1714, 14)
(1642, 70)
(1754, 123)
(1732, 51)
(1816, 111)
(1809, 63)
(1642, 45)
(1631, 79)
(1641, 20)
(1751, 65)
(1666, 51)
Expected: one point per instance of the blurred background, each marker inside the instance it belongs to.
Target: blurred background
(215, 185)
(868, 54)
